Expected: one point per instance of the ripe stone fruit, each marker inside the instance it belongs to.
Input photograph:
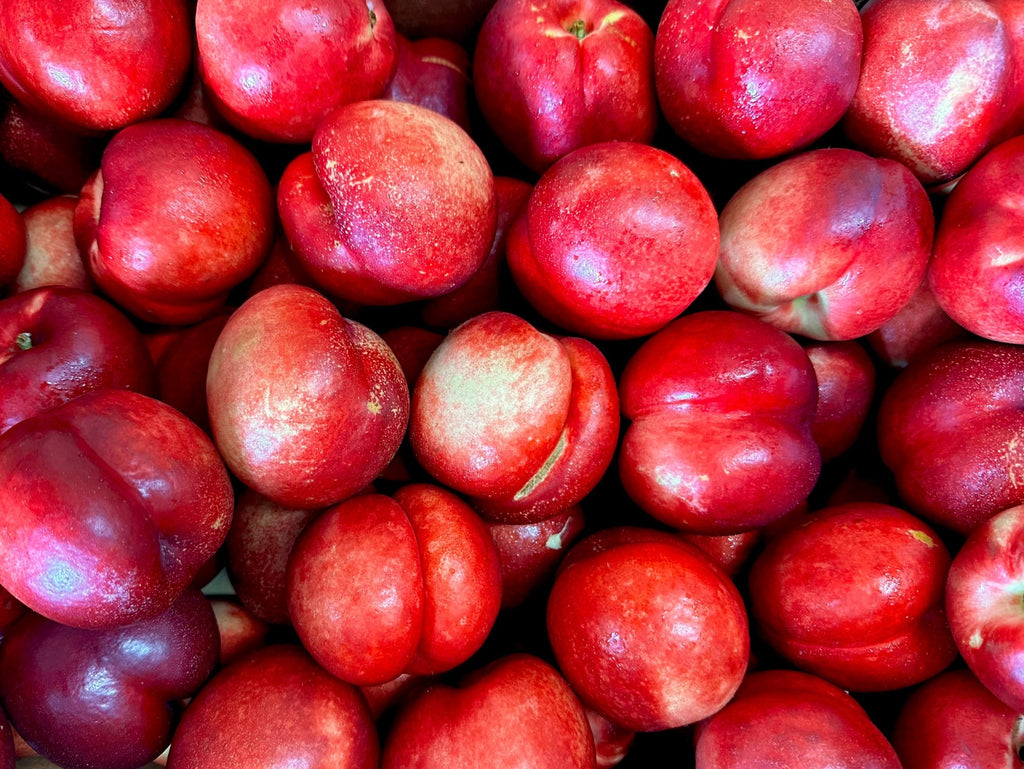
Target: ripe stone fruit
(177, 215)
(181, 367)
(983, 600)
(530, 552)
(829, 244)
(484, 290)
(51, 255)
(615, 240)
(646, 630)
(855, 594)
(110, 698)
(112, 504)
(953, 721)
(551, 76)
(434, 73)
(58, 343)
(779, 714)
(261, 538)
(977, 271)
(750, 79)
(394, 202)
(522, 422)
(95, 64)
(720, 408)
(306, 406)
(275, 707)
(949, 429)
(940, 82)
(846, 388)
(275, 69)
(517, 711)
(379, 586)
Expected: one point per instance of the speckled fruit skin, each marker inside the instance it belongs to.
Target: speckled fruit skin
(96, 65)
(983, 602)
(177, 215)
(58, 343)
(854, 594)
(754, 78)
(829, 244)
(483, 291)
(518, 711)
(846, 389)
(394, 203)
(276, 69)
(949, 429)
(646, 630)
(113, 502)
(379, 586)
(749, 391)
(952, 721)
(49, 675)
(940, 82)
(272, 707)
(977, 270)
(306, 406)
(616, 240)
(778, 715)
(546, 89)
(12, 242)
(522, 422)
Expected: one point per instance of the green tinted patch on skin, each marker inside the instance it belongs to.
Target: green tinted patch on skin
(920, 536)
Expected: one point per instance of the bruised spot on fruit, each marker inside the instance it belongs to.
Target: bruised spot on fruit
(542, 473)
(921, 536)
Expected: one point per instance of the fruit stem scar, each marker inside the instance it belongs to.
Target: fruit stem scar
(579, 29)
(23, 341)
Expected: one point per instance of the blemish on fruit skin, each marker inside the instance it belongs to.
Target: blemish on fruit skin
(556, 541)
(920, 536)
(975, 641)
(542, 473)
